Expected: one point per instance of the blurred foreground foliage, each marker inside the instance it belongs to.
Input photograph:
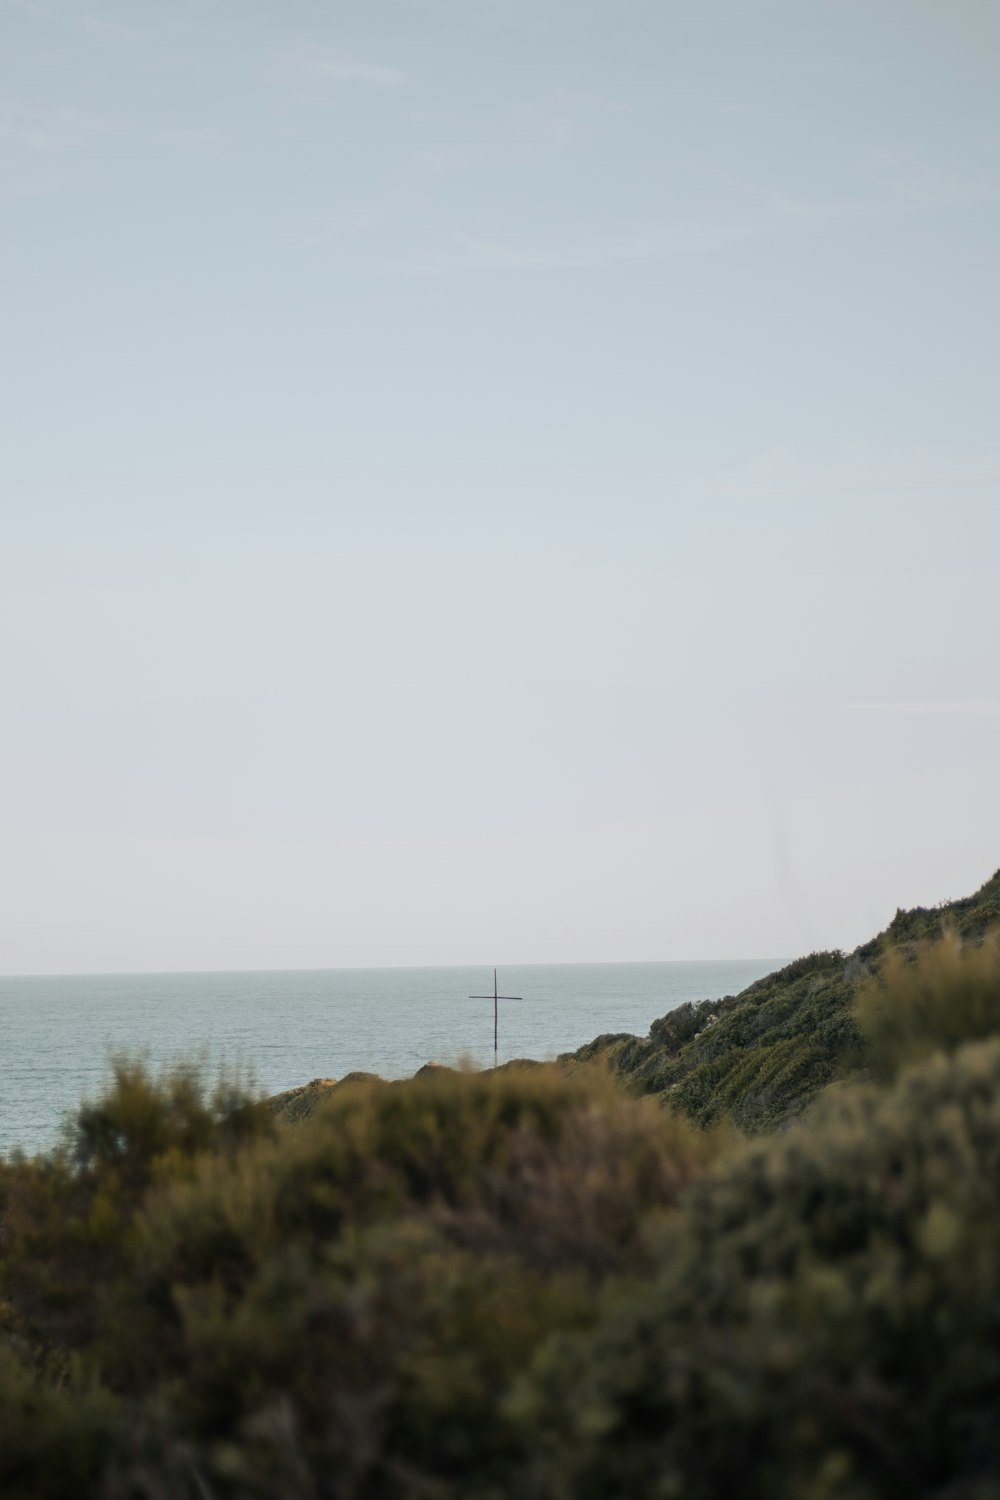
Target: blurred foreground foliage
(825, 1321)
(532, 1282)
(201, 1302)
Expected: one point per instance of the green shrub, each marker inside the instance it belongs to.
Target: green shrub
(683, 1024)
(946, 993)
(352, 1295)
(141, 1125)
(55, 1431)
(826, 1322)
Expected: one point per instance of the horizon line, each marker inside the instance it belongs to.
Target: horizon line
(379, 968)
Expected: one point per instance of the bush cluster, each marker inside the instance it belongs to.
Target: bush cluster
(202, 1302)
(825, 1321)
(934, 1000)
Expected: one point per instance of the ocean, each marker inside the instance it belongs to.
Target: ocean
(280, 1029)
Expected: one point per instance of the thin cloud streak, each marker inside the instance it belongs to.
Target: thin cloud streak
(184, 136)
(472, 254)
(980, 708)
(773, 213)
(79, 20)
(46, 130)
(340, 69)
(807, 485)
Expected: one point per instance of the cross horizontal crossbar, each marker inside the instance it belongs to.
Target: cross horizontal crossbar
(496, 997)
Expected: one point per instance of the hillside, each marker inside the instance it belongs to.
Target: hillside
(756, 1059)
(760, 1057)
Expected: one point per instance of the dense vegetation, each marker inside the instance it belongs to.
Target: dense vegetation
(760, 1057)
(533, 1282)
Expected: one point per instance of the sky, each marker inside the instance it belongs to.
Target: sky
(494, 480)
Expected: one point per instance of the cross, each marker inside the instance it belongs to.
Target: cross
(496, 999)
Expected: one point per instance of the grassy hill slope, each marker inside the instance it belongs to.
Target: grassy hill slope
(758, 1058)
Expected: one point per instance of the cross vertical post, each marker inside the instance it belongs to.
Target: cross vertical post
(496, 998)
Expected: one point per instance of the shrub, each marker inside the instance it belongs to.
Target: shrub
(55, 1432)
(946, 993)
(349, 1296)
(826, 1321)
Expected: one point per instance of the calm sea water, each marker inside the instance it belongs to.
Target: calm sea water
(288, 1027)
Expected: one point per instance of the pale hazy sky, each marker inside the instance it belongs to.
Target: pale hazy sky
(494, 480)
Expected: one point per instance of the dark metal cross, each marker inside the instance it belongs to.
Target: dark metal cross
(496, 1009)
